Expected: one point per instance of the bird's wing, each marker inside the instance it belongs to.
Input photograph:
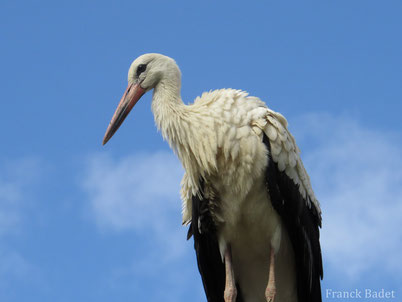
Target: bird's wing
(286, 155)
(293, 198)
(210, 265)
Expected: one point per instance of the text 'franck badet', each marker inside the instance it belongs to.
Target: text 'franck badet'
(366, 293)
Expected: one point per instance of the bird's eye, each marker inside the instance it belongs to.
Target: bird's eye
(141, 68)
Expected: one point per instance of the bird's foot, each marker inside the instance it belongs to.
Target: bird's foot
(270, 293)
(230, 294)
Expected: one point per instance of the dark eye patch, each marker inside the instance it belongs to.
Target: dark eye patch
(140, 69)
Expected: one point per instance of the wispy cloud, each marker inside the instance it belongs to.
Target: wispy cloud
(17, 177)
(10, 195)
(136, 192)
(140, 194)
(357, 175)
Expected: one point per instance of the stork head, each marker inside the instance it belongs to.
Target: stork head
(145, 73)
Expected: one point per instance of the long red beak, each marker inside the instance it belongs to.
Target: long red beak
(130, 97)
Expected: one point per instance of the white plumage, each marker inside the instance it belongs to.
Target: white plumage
(220, 141)
(228, 140)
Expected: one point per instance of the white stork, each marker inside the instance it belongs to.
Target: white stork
(246, 195)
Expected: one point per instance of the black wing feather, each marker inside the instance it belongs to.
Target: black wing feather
(210, 264)
(302, 223)
(206, 246)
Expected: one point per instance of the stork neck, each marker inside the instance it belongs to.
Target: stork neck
(185, 129)
(168, 89)
(167, 107)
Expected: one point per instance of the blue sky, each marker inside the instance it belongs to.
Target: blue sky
(82, 222)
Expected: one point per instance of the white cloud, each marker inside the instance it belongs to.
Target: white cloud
(16, 178)
(140, 194)
(10, 196)
(133, 192)
(13, 265)
(357, 175)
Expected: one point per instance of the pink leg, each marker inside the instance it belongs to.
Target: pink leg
(271, 288)
(230, 293)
